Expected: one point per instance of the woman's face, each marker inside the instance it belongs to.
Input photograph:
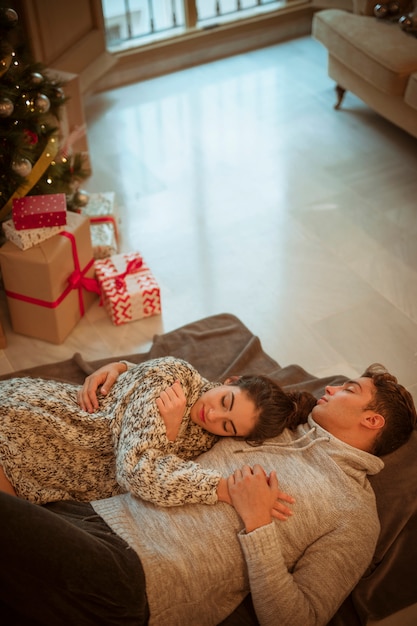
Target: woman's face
(226, 411)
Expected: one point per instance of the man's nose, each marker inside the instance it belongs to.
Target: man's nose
(331, 389)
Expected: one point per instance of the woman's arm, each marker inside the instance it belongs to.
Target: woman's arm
(171, 405)
(147, 463)
(105, 377)
(148, 466)
(167, 480)
(5, 484)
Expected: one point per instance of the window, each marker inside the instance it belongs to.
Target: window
(131, 23)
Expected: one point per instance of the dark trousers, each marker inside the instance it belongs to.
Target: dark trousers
(61, 564)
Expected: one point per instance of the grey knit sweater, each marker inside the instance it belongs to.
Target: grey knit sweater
(200, 564)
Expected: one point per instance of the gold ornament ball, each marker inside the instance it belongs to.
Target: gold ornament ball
(23, 167)
(42, 103)
(381, 10)
(81, 198)
(37, 78)
(6, 107)
(11, 15)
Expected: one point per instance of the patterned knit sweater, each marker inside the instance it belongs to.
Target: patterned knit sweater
(52, 450)
(200, 564)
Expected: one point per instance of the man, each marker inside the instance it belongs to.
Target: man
(63, 564)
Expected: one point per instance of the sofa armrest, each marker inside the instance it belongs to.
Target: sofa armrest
(361, 7)
(364, 7)
(346, 5)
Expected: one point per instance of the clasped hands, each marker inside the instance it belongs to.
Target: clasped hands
(257, 498)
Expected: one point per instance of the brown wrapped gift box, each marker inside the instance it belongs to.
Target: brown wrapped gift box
(42, 273)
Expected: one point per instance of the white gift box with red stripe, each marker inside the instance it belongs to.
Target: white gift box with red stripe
(129, 290)
(100, 210)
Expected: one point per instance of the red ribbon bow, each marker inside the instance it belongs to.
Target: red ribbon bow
(77, 280)
(133, 267)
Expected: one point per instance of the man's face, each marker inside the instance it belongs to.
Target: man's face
(342, 406)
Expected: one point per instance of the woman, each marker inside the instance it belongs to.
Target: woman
(142, 438)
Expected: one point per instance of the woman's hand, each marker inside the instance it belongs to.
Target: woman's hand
(280, 510)
(255, 496)
(105, 377)
(171, 405)
(5, 484)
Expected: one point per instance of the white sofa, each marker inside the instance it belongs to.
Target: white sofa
(373, 58)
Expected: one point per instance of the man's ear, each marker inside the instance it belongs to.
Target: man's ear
(374, 421)
(231, 380)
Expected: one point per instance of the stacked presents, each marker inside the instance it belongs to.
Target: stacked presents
(47, 267)
(52, 275)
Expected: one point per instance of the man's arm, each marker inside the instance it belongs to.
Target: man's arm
(323, 577)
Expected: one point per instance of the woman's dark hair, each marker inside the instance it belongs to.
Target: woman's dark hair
(395, 404)
(277, 409)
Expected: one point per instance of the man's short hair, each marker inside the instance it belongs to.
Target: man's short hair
(396, 405)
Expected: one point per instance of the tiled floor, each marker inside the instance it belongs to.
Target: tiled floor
(248, 193)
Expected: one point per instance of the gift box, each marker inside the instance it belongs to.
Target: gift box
(50, 286)
(25, 239)
(103, 241)
(39, 211)
(100, 210)
(3, 342)
(129, 289)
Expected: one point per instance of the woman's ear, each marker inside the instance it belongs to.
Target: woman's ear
(231, 380)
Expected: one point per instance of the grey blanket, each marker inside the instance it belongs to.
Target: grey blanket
(219, 346)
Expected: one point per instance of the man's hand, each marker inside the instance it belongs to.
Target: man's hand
(255, 497)
(171, 405)
(105, 377)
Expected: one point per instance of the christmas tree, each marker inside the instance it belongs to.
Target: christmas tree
(32, 159)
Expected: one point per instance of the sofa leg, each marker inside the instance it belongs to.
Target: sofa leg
(340, 92)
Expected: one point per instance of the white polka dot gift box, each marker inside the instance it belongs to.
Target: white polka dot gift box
(129, 290)
(25, 239)
(39, 211)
